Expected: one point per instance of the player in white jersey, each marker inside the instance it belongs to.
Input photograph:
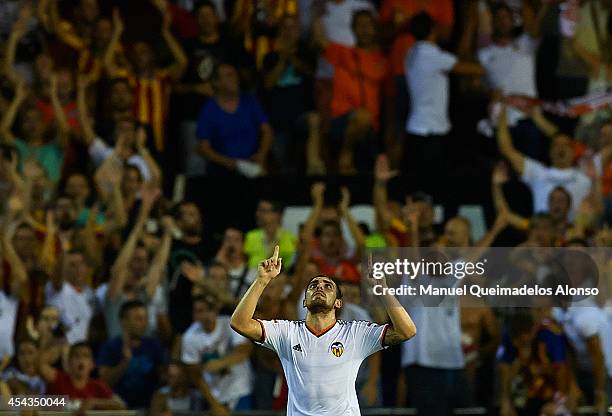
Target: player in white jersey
(320, 355)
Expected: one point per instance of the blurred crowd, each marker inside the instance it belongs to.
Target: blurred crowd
(111, 291)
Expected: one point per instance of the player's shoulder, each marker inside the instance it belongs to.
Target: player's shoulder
(285, 323)
(357, 323)
(279, 321)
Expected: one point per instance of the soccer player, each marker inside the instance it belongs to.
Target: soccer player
(320, 355)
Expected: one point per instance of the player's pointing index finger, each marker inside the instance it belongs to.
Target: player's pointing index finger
(275, 255)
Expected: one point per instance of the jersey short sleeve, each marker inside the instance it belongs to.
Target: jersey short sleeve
(369, 337)
(274, 334)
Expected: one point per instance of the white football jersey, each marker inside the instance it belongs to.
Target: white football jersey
(321, 369)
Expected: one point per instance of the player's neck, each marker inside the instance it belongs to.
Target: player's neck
(319, 322)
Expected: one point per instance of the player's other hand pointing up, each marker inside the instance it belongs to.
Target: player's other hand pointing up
(270, 268)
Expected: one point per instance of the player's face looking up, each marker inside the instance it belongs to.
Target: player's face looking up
(322, 295)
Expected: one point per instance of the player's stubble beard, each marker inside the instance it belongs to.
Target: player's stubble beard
(319, 305)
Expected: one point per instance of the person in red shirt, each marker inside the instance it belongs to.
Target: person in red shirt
(357, 86)
(76, 382)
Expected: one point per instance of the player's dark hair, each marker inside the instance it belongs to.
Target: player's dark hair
(333, 279)
(128, 306)
(421, 25)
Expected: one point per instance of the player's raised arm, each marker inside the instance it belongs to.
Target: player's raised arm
(242, 319)
(402, 327)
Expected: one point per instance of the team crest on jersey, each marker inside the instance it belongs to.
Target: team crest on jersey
(337, 349)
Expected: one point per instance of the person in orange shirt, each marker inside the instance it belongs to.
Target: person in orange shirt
(357, 86)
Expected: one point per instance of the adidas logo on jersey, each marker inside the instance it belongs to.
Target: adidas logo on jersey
(297, 347)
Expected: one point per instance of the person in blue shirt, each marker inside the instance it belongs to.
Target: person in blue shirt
(232, 127)
(130, 363)
(532, 361)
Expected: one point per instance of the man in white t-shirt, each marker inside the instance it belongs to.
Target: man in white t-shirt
(320, 355)
(543, 179)
(427, 69)
(584, 323)
(218, 358)
(71, 295)
(434, 363)
(509, 63)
